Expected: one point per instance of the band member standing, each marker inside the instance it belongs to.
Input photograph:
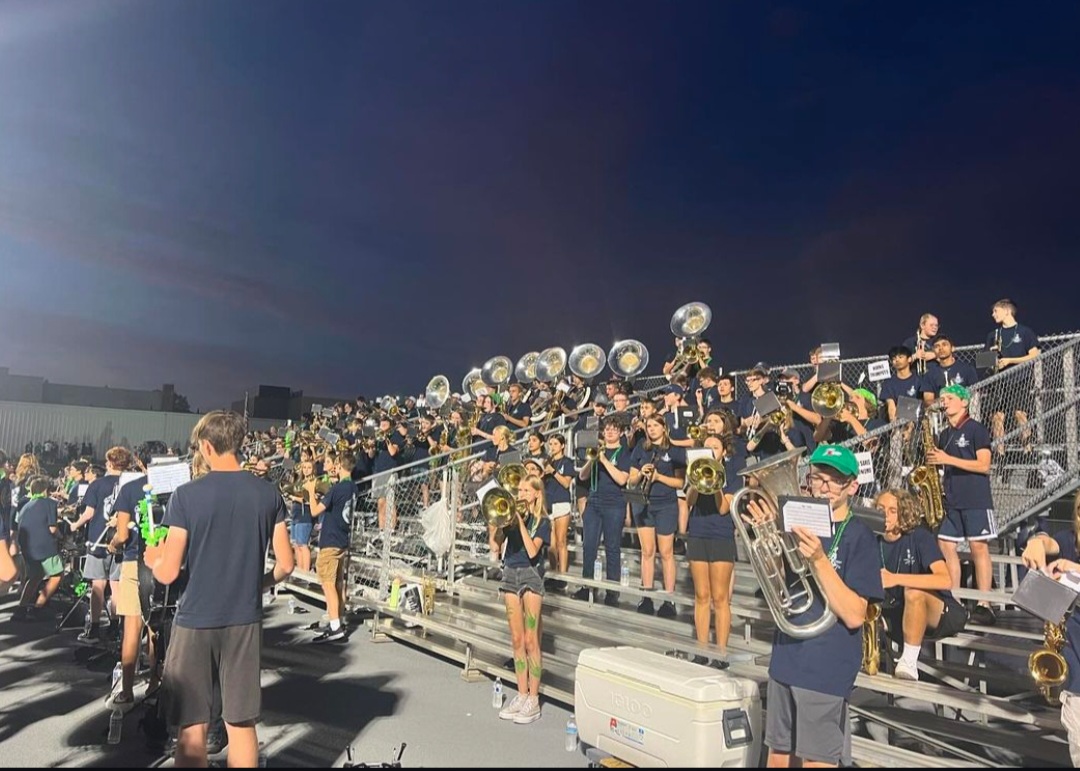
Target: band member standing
(1015, 344)
(946, 371)
(489, 420)
(336, 509)
(518, 414)
(37, 538)
(523, 592)
(1057, 555)
(918, 604)
(710, 546)
(302, 521)
(388, 447)
(492, 460)
(597, 418)
(559, 473)
(660, 469)
(102, 567)
(964, 451)
(220, 525)
(605, 476)
(810, 680)
(921, 343)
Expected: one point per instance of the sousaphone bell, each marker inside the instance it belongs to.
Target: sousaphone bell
(628, 358)
(587, 360)
(437, 392)
(496, 371)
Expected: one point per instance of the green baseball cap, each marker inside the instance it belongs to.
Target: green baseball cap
(866, 394)
(840, 458)
(958, 391)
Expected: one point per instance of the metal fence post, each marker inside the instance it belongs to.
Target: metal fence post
(1068, 383)
(452, 475)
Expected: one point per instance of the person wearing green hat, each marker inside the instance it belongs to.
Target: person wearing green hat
(811, 680)
(964, 453)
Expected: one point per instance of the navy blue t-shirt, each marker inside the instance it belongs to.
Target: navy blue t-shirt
(965, 489)
(127, 501)
(101, 495)
(706, 521)
(35, 539)
(229, 518)
(957, 373)
(829, 662)
(1016, 341)
(1066, 541)
(666, 460)
(911, 554)
(677, 423)
(300, 513)
(337, 519)
(519, 411)
(384, 461)
(5, 508)
(895, 387)
(515, 555)
(553, 491)
(600, 486)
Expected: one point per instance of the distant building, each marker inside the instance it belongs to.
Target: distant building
(280, 403)
(38, 390)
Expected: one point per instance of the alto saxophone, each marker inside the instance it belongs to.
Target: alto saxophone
(871, 651)
(926, 482)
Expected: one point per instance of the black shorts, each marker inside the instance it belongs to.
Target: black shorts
(197, 657)
(664, 517)
(710, 549)
(954, 617)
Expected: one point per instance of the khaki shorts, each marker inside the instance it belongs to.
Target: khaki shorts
(128, 602)
(330, 564)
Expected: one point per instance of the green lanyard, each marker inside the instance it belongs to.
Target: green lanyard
(595, 475)
(839, 534)
(37, 497)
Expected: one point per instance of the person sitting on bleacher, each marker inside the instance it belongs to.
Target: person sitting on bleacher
(1056, 555)
(918, 603)
(946, 371)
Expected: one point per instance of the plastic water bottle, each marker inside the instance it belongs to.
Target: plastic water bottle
(598, 569)
(292, 606)
(117, 673)
(496, 693)
(116, 724)
(571, 734)
(624, 575)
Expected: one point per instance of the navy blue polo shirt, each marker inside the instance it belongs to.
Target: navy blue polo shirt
(965, 489)
(830, 662)
(337, 519)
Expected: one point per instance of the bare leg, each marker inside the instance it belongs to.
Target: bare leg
(952, 561)
(191, 747)
(243, 746)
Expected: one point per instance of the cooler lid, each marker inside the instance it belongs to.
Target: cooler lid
(669, 675)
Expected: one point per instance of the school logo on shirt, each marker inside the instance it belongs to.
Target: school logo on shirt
(962, 441)
(837, 563)
(958, 380)
(1016, 339)
(909, 558)
(911, 391)
(666, 458)
(347, 511)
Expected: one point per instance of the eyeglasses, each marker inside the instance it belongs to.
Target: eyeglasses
(826, 481)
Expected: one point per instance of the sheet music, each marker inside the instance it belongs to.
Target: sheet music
(492, 485)
(815, 516)
(166, 477)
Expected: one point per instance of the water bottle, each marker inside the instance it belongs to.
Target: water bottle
(624, 576)
(598, 569)
(117, 673)
(86, 626)
(496, 693)
(292, 606)
(116, 723)
(395, 594)
(571, 734)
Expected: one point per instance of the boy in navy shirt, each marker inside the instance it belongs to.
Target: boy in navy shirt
(1015, 344)
(810, 680)
(918, 603)
(336, 509)
(37, 539)
(903, 383)
(964, 451)
(946, 371)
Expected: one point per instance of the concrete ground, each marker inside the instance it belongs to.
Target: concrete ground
(316, 701)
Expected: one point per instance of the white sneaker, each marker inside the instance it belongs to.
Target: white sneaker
(529, 711)
(510, 710)
(905, 671)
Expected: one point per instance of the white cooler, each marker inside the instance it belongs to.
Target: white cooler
(652, 710)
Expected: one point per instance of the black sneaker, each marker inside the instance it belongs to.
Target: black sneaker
(88, 636)
(703, 660)
(719, 664)
(611, 599)
(646, 606)
(330, 635)
(984, 615)
(581, 594)
(667, 610)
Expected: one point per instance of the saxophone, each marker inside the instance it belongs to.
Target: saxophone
(871, 651)
(926, 483)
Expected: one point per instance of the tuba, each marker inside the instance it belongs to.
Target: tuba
(828, 399)
(587, 360)
(437, 392)
(772, 551)
(925, 481)
(628, 358)
(1047, 666)
(496, 372)
(473, 384)
(526, 368)
(706, 475)
(499, 507)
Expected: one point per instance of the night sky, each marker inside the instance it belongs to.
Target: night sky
(352, 197)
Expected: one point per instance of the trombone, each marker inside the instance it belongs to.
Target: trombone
(706, 476)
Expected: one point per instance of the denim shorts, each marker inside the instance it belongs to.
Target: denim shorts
(301, 534)
(520, 580)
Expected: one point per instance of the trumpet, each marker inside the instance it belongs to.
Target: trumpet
(698, 433)
(772, 551)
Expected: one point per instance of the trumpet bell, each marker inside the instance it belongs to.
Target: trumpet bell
(706, 476)
(587, 360)
(628, 358)
(551, 364)
(437, 392)
(498, 507)
(525, 371)
(510, 477)
(691, 319)
(473, 384)
(496, 371)
(828, 399)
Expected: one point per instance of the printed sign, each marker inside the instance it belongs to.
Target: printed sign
(877, 371)
(866, 467)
